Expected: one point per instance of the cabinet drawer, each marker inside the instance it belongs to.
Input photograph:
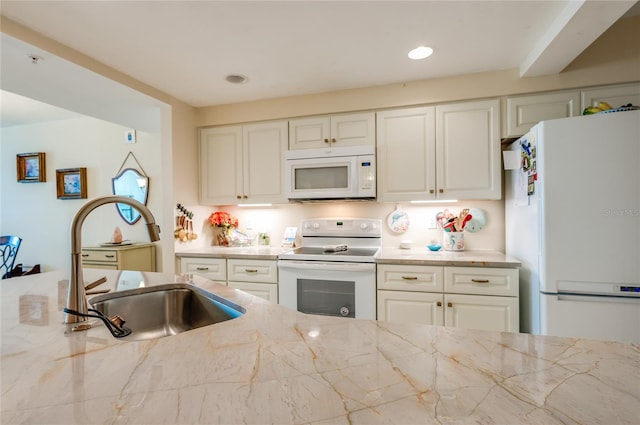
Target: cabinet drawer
(267, 291)
(211, 268)
(481, 281)
(410, 278)
(99, 255)
(264, 271)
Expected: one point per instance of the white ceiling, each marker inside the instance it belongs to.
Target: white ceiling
(285, 48)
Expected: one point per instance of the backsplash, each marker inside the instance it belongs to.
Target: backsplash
(274, 220)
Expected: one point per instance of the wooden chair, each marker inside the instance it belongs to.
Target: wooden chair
(9, 246)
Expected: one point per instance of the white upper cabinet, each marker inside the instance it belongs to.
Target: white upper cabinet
(243, 164)
(523, 112)
(468, 158)
(406, 154)
(327, 132)
(442, 152)
(615, 96)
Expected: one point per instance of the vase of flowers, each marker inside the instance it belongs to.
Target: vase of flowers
(223, 224)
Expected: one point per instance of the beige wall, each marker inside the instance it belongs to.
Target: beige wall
(613, 58)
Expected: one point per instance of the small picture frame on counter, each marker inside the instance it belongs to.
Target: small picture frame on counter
(30, 167)
(71, 183)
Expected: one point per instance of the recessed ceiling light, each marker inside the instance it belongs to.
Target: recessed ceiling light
(236, 78)
(420, 52)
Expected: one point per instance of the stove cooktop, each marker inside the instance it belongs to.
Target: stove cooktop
(313, 253)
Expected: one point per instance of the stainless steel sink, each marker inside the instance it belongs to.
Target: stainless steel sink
(163, 310)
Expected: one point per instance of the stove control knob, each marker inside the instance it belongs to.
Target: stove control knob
(312, 225)
(344, 311)
(364, 226)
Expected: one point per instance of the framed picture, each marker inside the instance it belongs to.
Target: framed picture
(31, 167)
(72, 183)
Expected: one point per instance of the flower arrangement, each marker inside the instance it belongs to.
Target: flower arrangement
(223, 219)
(225, 222)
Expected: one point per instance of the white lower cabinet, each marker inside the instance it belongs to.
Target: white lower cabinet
(257, 277)
(466, 297)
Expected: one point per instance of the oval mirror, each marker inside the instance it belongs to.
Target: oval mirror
(129, 182)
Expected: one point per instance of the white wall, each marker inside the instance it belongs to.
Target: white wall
(275, 219)
(32, 210)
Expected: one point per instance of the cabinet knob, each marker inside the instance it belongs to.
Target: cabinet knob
(440, 190)
(333, 140)
(480, 280)
(326, 140)
(238, 197)
(431, 191)
(244, 196)
(449, 304)
(409, 278)
(439, 303)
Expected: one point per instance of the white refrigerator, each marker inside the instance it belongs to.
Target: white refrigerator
(572, 217)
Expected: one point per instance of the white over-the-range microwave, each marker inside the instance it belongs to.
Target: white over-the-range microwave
(326, 174)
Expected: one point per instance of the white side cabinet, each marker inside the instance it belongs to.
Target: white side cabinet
(326, 132)
(442, 152)
(257, 277)
(466, 297)
(523, 112)
(243, 164)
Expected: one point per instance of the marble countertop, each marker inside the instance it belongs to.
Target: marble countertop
(422, 256)
(275, 365)
(251, 252)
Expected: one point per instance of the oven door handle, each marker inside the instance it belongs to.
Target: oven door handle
(328, 266)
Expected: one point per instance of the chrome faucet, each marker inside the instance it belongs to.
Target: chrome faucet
(76, 296)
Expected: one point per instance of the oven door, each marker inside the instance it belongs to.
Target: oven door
(328, 288)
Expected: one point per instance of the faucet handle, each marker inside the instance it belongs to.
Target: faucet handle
(98, 282)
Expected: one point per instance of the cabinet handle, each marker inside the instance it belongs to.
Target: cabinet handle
(85, 255)
(326, 140)
(440, 190)
(480, 280)
(449, 304)
(439, 303)
(202, 268)
(409, 278)
(109, 256)
(251, 270)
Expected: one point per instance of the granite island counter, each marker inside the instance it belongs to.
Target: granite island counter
(275, 365)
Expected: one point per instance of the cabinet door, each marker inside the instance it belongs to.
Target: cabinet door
(221, 165)
(406, 154)
(264, 147)
(310, 133)
(410, 307)
(482, 312)
(267, 291)
(616, 96)
(468, 162)
(523, 112)
(353, 129)
(211, 268)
